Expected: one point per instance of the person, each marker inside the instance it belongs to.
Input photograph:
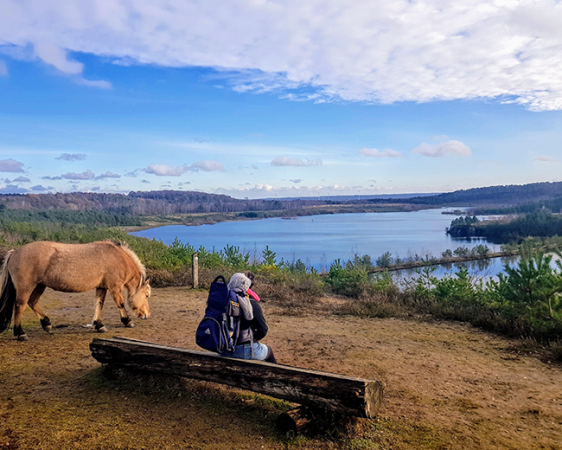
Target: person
(252, 324)
(251, 293)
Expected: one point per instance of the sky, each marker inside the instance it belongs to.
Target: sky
(292, 98)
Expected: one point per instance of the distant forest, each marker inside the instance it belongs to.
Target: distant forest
(148, 203)
(517, 199)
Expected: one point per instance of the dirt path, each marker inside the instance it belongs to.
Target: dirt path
(447, 385)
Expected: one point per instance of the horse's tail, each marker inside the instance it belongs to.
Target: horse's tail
(7, 296)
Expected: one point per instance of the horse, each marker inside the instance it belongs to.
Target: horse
(102, 265)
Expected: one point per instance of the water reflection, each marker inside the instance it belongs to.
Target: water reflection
(480, 269)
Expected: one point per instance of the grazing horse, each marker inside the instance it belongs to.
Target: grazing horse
(103, 266)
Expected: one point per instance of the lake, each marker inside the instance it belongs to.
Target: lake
(320, 240)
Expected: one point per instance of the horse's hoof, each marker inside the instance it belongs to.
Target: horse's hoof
(48, 329)
(23, 337)
(102, 329)
(130, 325)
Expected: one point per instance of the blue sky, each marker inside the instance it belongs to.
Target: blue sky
(268, 98)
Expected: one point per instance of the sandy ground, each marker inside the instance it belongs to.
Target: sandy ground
(447, 385)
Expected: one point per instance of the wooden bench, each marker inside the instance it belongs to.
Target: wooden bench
(347, 395)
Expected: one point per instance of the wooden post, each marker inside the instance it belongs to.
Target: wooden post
(195, 270)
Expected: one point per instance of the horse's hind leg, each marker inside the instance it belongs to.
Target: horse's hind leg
(22, 298)
(33, 300)
(100, 299)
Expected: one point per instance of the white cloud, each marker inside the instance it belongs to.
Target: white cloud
(71, 157)
(376, 51)
(542, 158)
(10, 165)
(375, 153)
(164, 170)
(56, 56)
(206, 166)
(295, 162)
(443, 149)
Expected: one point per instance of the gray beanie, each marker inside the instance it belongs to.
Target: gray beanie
(239, 283)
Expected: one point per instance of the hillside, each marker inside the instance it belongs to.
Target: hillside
(496, 195)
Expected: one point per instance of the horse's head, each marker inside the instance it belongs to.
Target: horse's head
(139, 300)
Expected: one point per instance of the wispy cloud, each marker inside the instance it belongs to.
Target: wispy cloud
(295, 162)
(456, 148)
(107, 174)
(164, 170)
(71, 157)
(101, 84)
(375, 153)
(21, 180)
(206, 166)
(376, 51)
(86, 175)
(542, 158)
(10, 165)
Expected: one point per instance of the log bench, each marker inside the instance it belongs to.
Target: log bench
(313, 389)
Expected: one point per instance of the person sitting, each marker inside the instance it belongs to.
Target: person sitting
(252, 324)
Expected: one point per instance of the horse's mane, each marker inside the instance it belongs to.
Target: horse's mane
(123, 246)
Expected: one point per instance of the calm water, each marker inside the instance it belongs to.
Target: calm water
(319, 240)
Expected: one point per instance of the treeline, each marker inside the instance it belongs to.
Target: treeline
(495, 195)
(540, 223)
(95, 218)
(149, 203)
(553, 204)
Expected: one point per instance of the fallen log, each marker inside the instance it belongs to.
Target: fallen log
(352, 396)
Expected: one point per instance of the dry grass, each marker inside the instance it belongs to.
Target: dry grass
(448, 386)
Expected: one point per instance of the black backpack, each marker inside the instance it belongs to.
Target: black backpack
(219, 330)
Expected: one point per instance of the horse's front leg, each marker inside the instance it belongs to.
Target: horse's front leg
(100, 299)
(118, 297)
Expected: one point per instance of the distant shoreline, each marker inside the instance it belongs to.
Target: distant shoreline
(214, 218)
(441, 261)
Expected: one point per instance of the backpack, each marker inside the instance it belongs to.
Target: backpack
(219, 330)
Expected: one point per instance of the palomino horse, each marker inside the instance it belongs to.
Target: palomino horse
(102, 266)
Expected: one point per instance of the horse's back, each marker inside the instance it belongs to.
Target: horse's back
(66, 267)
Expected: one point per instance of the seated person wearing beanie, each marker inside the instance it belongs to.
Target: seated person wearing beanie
(252, 324)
